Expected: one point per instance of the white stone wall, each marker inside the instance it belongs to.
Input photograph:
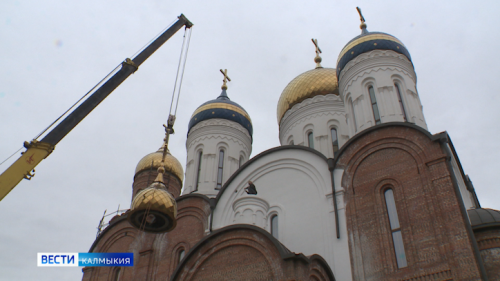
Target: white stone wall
(210, 136)
(296, 186)
(380, 69)
(318, 115)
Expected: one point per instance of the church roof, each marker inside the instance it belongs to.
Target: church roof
(484, 218)
(319, 81)
(221, 107)
(366, 42)
(152, 161)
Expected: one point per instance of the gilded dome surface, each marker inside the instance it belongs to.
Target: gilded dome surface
(319, 81)
(223, 108)
(369, 41)
(172, 165)
(154, 200)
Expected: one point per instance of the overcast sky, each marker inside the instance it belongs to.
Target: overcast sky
(54, 51)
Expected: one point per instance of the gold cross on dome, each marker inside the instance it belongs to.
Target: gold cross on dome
(362, 19)
(317, 59)
(226, 78)
(360, 15)
(318, 50)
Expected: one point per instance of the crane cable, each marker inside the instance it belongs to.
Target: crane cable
(182, 60)
(171, 118)
(105, 79)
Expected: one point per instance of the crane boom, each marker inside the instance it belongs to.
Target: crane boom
(39, 150)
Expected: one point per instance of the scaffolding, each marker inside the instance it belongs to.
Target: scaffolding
(104, 222)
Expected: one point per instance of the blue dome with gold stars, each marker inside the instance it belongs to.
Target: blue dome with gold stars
(223, 108)
(366, 42)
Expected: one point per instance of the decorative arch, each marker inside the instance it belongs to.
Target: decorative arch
(398, 80)
(247, 251)
(412, 163)
(176, 251)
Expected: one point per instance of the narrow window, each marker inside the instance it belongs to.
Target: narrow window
(376, 114)
(310, 138)
(397, 238)
(198, 179)
(351, 107)
(241, 161)
(398, 91)
(219, 170)
(335, 141)
(182, 253)
(274, 226)
(116, 274)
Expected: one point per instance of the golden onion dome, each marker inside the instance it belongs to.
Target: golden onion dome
(152, 161)
(316, 82)
(154, 209)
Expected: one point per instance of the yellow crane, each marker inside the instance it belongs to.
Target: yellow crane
(37, 150)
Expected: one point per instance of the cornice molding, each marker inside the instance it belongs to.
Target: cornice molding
(302, 120)
(371, 55)
(215, 128)
(219, 122)
(374, 60)
(195, 141)
(370, 70)
(310, 108)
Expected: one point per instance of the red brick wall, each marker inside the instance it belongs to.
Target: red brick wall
(436, 242)
(488, 241)
(240, 253)
(155, 255)
(244, 252)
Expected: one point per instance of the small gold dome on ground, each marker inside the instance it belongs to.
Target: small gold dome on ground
(172, 165)
(319, 81)
(153, 209)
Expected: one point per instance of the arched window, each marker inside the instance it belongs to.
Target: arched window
(335, 141)
(291, 142)
(398, 92)
(310, 139)
(220, 169)
(182, 253)
(116, 274)
(351, 108)
(198, 179)
(376, 113)
(241, 161)
(397, 238)
(274, 226)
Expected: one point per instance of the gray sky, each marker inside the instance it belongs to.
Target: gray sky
(52, 52)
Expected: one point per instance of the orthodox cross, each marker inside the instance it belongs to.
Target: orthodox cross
(360, 15)
(317, 59)
(362, 19)
(318, 50)
(226, 78)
